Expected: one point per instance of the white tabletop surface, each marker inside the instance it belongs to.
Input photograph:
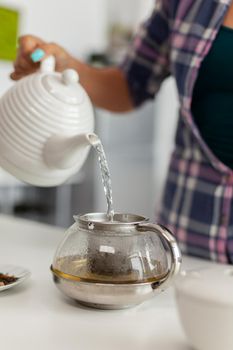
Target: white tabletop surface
(36, 316)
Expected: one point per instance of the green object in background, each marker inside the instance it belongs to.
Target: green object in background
(9, 22)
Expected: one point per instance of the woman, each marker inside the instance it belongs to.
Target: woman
(191, 40)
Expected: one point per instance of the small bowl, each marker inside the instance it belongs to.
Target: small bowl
(21, 274)
(205, 305)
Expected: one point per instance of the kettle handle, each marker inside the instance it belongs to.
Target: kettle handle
(176, 258)
(48, 65)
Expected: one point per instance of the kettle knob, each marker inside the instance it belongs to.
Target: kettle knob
(48, 65)
(70, 76)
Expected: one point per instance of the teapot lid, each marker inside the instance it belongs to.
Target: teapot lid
(65, 86)
(212, 284)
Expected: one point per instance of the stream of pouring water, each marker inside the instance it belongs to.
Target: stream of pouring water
(105, 173)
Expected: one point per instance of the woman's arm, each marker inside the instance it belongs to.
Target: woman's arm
(107, 87)
(121, 89)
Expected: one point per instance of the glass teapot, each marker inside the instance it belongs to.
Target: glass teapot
(115, 264)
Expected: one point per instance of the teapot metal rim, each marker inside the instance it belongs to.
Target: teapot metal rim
(100, 221)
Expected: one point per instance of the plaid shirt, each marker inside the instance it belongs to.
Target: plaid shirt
(197, 204)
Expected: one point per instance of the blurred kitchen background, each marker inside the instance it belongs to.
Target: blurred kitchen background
(137, 144)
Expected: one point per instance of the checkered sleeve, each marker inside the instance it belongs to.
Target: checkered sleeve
(146, 64)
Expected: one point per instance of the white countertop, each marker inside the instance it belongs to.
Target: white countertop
(36, 316)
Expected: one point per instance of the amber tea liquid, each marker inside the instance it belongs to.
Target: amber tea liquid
(87, 270)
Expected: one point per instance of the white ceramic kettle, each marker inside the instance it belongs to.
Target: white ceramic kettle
(46, 126)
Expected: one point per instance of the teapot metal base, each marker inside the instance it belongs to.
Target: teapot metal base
(106, 307)
(107, 296)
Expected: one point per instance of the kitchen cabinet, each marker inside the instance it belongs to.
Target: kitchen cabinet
(128, 143)
(138, 147)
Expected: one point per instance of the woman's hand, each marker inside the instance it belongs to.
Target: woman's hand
(32, 50)
(107, 87)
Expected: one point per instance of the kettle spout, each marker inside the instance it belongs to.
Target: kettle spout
(64, 152)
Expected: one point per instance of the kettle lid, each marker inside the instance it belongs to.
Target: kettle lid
(65, 86)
